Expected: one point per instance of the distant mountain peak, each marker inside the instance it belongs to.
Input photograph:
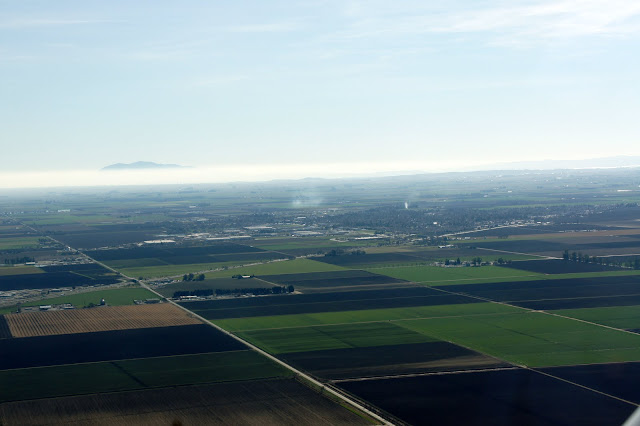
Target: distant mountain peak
(140, 165)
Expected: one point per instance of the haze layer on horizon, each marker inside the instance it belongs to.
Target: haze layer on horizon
(314, 83)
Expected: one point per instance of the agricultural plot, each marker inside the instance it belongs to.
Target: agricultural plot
(5, 332)
(618, 316)
(91, 270)
(336, 302)
(533, 339)
(558, 266)
(52, 280)
(19, 270)
(556, 294)
(555, 246)
(364, 260)
(213, 284)
(104, 318)
(407, 358)
(304, 339)
(113, 345)
(332, 281)
(224, 403)
(454, 275)
(296, 266)
(167, 252)
(370, 315)
(19, 243)
(113, 297)
(78, 379)
(89, 237)
(507, 397)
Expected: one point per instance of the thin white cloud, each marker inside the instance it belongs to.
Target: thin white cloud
(542, 20)
(45, 22)
(277, 27)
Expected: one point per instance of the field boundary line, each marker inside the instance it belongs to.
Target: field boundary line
(323, 386)
(432, 373)
(375, 321)
(579, 385)
(120, 360)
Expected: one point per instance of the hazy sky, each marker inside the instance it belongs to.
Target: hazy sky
(206, 83)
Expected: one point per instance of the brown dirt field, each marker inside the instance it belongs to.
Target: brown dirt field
(266, 402)
(106, 318)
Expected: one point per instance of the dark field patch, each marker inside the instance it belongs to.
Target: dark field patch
(526, 246)
(105, 238)
(92, 270)
(541, 229)
(618, 379)
(52, 280)
(367, 259)
(389, 360)
(508, 397)
(264, 402)
(170, 251)
(322, 280)
(5, 332)
(579, 303)
(294, 304)
(558, 266)
(213, 284)
(112, 345)
(552, 289)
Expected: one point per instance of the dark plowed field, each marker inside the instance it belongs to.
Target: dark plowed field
(326, 306)
(558, 266)
(5, 332)
(107, 238)
(590, 302)
(542, 229)
(552, 289)
(620, 380)
(51, 280)
(261, 402)
(113, 345)
(508, 397)
(329, 279)
(389, 360)
(373, 258)
(169, 251)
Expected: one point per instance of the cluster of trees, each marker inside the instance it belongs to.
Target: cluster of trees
(260, 291)
(192, 277)
(585, 258)
(19, 260)
(341, 252)
(452, 262)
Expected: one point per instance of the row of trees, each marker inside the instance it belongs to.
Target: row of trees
(192, 277)
(609, 261)
(259, 291)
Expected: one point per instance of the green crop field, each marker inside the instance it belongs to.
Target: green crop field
(113, 297)
(14, 243)
(332, 337)
(47, 382)
(370, 315)
(455, 275)
(203, 368)
(270, 268)
(19, 270)
(78, 379)
(533, 339)
(624, 317)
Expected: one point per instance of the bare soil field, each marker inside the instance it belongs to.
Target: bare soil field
(103, 318)
(268, 402)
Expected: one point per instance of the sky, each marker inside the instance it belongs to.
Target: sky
(270, 89)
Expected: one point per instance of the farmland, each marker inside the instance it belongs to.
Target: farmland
(456, 304)
(31, 324)
(113, 296)
(498, 398)
(222, 403)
